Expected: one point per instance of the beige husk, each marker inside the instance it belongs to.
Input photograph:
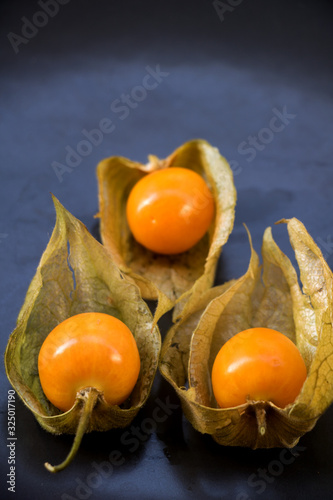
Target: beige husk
(168, 279)
(268, 297)
(76, 274)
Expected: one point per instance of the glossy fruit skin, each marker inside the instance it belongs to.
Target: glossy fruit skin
(88, 350)
(258, 364)
(170, 210)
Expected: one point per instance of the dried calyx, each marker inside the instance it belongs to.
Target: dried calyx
(269, 297)
(169, 278)
(76, 274)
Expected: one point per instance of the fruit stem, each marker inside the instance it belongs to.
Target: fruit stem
(88, 397)
(261, 420)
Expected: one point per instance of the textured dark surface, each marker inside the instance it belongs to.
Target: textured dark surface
(225, 76)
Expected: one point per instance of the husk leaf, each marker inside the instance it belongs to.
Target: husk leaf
(169, 279)
(268, 296)
(76, 274)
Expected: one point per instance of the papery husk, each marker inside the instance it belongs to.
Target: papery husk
(268, 296)
(76, 274)
(176, 278)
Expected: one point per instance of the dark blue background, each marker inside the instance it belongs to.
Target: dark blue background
(226, 73)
